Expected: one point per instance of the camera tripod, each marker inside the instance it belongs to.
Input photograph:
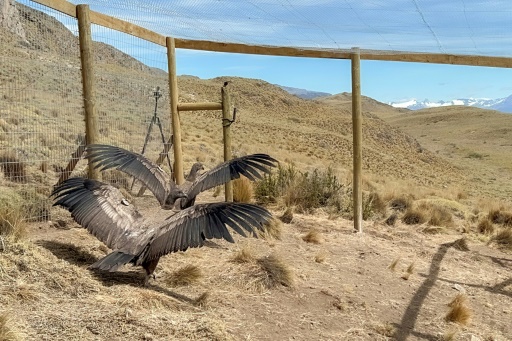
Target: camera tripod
(156, 120)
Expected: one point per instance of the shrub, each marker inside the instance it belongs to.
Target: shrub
(503, 238)
(485, 226)
(273, 185)
(400, 204)
(372, 205)
(412, 217)
(459, 311)
(275, 272)
(500, 217)
(13, 168)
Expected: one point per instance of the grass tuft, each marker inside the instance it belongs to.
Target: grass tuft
(275, 272)
(287, 216)
(503, 238)
(485, 226)
(391, 220)
(497, 216)
(7, 331)
(461, 244)
(13, 168)
(244, 255)
(393, 264)
(400, 204)
(273, 229)
(186, 275)
(12, 224)
(459, 310)
(413, 217)
(313, 236)
(242, 190)
(202, 300)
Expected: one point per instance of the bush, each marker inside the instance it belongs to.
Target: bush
(400, 204)
(412, 217)
(13, 168)
(499, 217)
(273, 185)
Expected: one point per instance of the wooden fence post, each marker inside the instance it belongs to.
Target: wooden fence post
(226, 130)
(357, 140)
(175, 116)
(86, 57)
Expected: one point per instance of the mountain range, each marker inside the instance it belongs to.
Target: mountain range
(500, 104)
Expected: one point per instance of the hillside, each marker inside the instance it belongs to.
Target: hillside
(478, 140)
(311, 279)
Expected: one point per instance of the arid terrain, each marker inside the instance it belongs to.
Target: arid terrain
(313, 278)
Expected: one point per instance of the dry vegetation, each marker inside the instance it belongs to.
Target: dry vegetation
(437, 213)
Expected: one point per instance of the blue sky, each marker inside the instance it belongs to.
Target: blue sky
(383, 81)
(480, 27)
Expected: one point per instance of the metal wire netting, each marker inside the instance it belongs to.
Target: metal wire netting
(459, 27)
(41, 104)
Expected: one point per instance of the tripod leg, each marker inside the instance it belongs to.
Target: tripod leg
(146, 140)
(163, 141)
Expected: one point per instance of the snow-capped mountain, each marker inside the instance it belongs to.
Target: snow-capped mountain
(501, 104)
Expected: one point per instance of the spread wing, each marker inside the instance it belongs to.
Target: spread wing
(151, 175)
(250, 166)
(190, 227)
(102, 210)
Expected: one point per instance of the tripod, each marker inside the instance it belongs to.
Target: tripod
(155, 120)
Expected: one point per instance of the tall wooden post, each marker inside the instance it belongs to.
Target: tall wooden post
(357, 140)
(86, 57)
(175, 116)
(227, 118)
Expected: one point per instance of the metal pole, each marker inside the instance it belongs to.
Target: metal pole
(357, 140)
(86, 57)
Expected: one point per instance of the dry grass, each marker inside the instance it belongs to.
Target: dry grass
(409, 271)
(186, 275)
(485, 226)
(393, 264)
(13, 168)
(503, 238)
(414, 217)
(459, 310)
(498, 216)
(313, 236)
(245, 254)
(400, 203)
(287, 216)
(242, 190)
(461, 244)
(8, 331)
(321, 257)
(275, 272)
(440, 216)
(12, 224)
(202, 300)
(391, 220)
(385, 329)
(273, 229)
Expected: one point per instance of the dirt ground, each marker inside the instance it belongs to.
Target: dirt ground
(343, 287)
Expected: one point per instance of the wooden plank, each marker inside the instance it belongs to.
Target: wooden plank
(357, 134)
(204, 45)
(126, 27)
(227, 118)
(59, 5)
(88, 84)
(199, 106)
(175, 115)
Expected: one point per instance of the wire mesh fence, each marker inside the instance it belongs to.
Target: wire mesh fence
(41, 103)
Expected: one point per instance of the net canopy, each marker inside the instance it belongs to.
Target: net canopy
(468, 27)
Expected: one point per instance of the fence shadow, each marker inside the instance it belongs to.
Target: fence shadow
(406, 325)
